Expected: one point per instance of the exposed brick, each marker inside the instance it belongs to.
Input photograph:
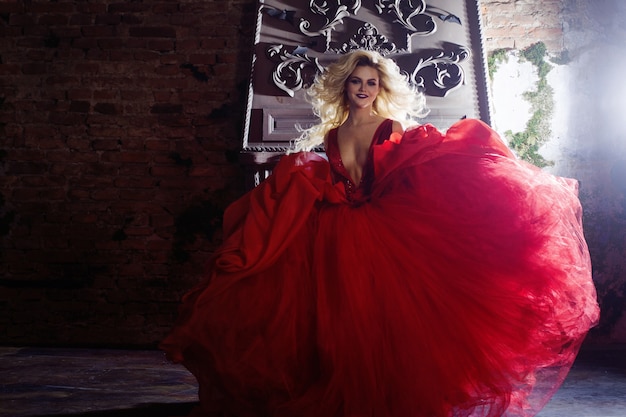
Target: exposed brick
(173, 120)
(25, 194)
(17, 19)
(96, 54)
(205, 171)
(104, 195)
(161, 45)
(111, 43)
(80, 106)
(132, 144)
(158, 145)
(121, 55)
(52, 7)
(228, 58)
(61, 80)
(104, 144)
(105, 108)
(66, 118)
(213, 44)
(87, 68)
(141, 195)
(162, 96)
(133, 182)
(152, 32)
(50, 194)
(77, 144)
(136, 43)
(547, 33)
(33, 68)
(98, 31)
(167, 70)
(172, 58)
(9, 69)
(128, 7)
(167, 171)
(127, 157)
(108, 19)
(39, 131)
(81, 19)
(134, 109)
(108, 94)
(166, 108)
(11, 6)
(53, 19)
(144, 56)
(133, 95)
(183, 132)
(66, 35)
(131, 19)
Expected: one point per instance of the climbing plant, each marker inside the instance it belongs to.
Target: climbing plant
(494, 60)
(526, 144)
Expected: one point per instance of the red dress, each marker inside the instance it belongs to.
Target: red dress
(454, 280)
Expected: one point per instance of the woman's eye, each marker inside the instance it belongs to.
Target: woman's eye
(355, 81)
(372, 83)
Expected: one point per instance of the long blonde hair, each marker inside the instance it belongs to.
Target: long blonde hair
(396, 100)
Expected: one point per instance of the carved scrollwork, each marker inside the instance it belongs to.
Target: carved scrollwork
(410, 14)
(439, 74)
(294, 70)
(322, 7)
(368, 37)
(333, 13)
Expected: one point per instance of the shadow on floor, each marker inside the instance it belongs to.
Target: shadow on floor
(47, 382)
(145, 410)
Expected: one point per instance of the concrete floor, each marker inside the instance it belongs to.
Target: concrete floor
(123, 383)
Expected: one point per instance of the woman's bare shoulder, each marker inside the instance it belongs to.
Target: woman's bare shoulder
(397, 127)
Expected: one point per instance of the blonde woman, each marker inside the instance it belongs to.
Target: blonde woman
(329, 96)
(414, 273)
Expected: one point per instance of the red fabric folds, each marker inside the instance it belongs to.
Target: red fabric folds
(460, 286)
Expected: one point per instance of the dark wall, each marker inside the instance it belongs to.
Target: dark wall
(122, 122)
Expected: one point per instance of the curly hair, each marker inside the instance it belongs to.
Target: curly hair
(396, 100)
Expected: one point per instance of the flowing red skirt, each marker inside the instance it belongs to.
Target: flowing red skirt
(460, 287)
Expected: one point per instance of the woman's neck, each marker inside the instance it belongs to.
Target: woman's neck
(361, 116)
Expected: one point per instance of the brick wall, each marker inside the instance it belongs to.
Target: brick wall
(120, 119)
(121, 122)
(517, 24)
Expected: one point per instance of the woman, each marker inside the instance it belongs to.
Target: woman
(413, 274)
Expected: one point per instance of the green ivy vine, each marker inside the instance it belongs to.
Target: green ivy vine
(494, 60)
(526, 144)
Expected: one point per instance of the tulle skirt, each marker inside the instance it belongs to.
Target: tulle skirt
(461, 286)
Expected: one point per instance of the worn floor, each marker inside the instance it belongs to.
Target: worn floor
(123, 383)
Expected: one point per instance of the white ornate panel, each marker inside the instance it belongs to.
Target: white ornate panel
(437, 43)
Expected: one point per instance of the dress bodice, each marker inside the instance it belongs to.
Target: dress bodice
(356, 192)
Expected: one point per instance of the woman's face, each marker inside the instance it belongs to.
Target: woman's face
(362, 87)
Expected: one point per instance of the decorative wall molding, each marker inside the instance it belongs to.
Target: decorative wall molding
(437, 43)
(290, 66)
(440, 73)
(333, 12)
(367, 37)
(405, 12)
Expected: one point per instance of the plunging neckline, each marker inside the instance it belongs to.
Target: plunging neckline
(344, 171)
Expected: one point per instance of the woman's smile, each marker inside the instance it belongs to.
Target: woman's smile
(362, 86)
